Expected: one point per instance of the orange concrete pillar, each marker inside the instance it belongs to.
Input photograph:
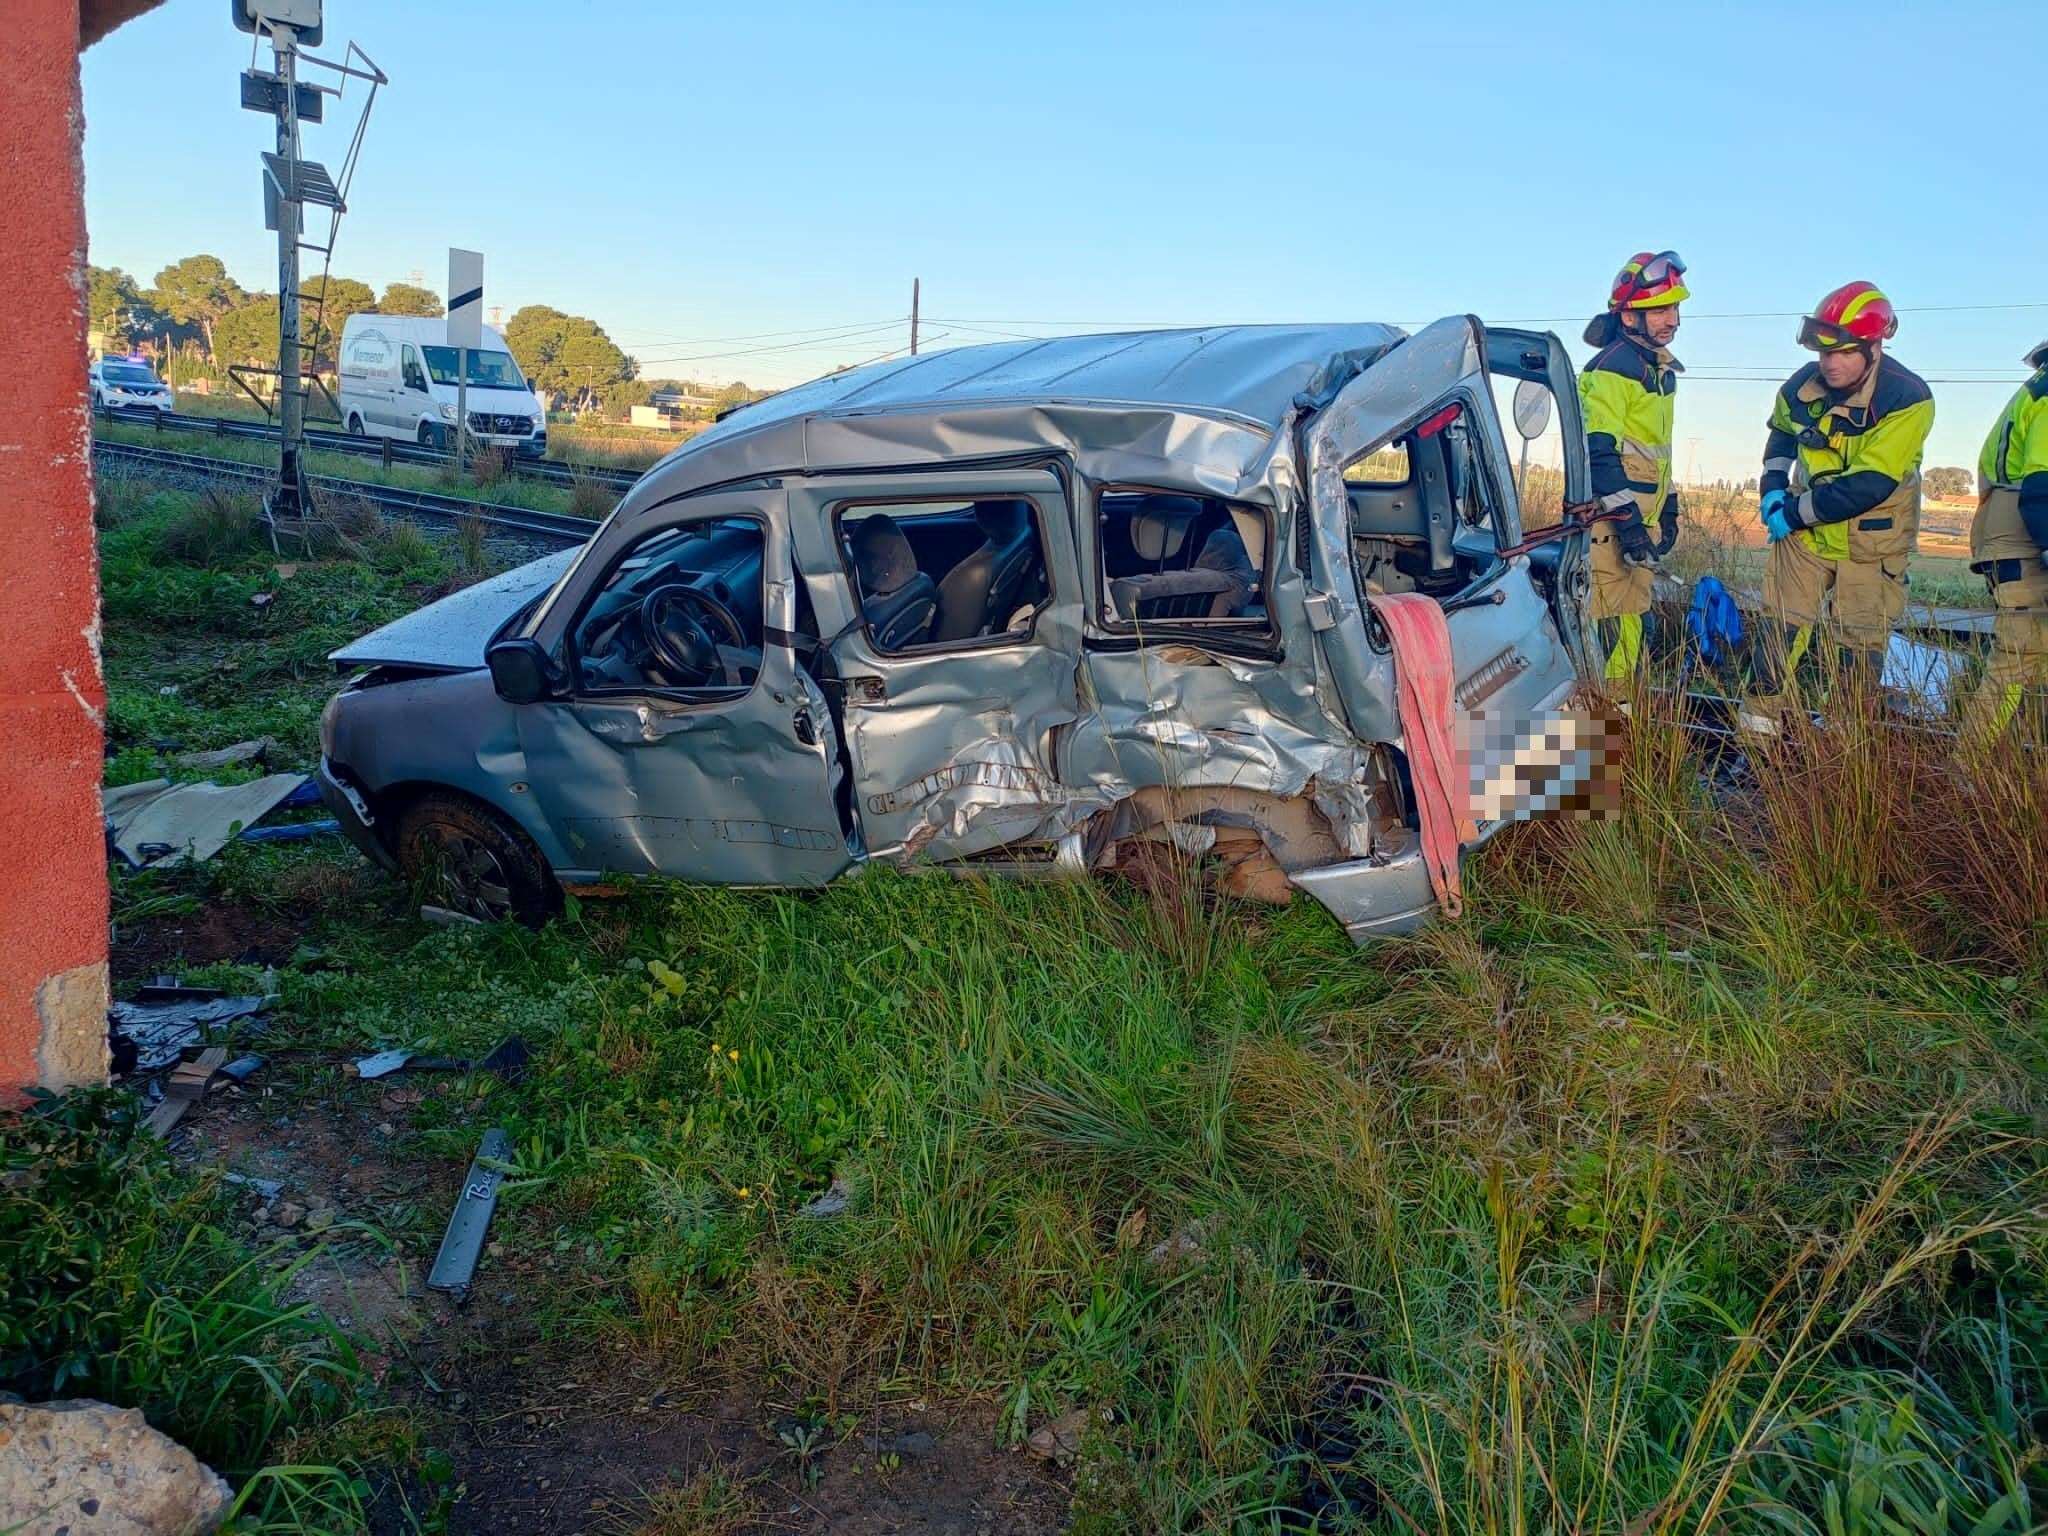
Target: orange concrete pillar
(53, 883)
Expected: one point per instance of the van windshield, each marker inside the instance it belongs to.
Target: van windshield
(487, 370)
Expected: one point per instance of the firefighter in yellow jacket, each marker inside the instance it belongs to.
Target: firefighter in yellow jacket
(1841, 489)
(1627, 391)
(2009, 546)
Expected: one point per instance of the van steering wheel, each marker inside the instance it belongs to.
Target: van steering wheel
(685, 626)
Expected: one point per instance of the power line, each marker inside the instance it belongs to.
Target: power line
(706, 341)
(787, 346)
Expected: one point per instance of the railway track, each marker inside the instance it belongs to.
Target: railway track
(389, 451)
(552, 527)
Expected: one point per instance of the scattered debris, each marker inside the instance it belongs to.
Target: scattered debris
(242, 1069)
(292, 831)
(82, 1466)
(383, 1064)
(267, 1189)
(164, 1021)
(241, 752)
(445, 918)
(463, 1243)
(158, 823)
(186, 1087)
(831, 1203)
(509, 1060)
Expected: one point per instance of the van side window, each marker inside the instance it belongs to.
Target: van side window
(952, 572)
(415, 375)
(1169, 560)
(681, 613)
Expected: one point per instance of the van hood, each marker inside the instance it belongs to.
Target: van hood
(450, 635)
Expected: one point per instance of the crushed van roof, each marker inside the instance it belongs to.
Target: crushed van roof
(1249, 371)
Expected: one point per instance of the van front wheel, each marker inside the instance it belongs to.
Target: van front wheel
(467, 857)
(432, 436)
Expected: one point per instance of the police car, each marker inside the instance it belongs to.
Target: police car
(129, 384)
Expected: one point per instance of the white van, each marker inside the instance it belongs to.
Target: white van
(398, 379)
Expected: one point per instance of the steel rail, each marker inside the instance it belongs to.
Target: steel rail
(559, 526)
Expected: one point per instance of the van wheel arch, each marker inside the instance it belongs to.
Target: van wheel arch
(465, 853)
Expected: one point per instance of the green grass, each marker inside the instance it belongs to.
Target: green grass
(1692, 1181)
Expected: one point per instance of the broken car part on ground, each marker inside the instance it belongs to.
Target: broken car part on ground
(1023, 607)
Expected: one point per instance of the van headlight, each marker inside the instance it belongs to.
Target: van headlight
(447, 412)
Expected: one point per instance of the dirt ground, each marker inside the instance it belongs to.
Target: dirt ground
(545, 1435)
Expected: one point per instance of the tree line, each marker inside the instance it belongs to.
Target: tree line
(201, 322)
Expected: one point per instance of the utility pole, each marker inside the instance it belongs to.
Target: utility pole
(915, 284)
(290, 183)
(292, 498)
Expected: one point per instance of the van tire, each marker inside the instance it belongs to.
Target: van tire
(463, 855)
(355, 425)
(431, 436)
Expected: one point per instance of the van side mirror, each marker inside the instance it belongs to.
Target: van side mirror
(522, 672)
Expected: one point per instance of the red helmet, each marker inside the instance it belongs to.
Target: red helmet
(1650, 280)
(1854, 315)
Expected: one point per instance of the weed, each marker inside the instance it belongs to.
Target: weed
(220, 528)
(471, 553)
(489, 465)
(712, 1502)
(590, 497)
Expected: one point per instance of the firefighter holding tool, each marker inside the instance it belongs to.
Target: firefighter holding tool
(1840, 494)
(2009, 548)
(1628, 392)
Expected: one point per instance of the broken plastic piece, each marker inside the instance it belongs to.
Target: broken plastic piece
(242, 1069)
(463, 1243)
(160, 1031)
(160, 823)
(383, 1064)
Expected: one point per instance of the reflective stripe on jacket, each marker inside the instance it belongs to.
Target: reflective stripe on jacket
(2014, 525)
(1627, 392)
(1851, 464)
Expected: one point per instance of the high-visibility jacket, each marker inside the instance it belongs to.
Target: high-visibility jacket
(2012, 482)
(1850, 464)
(1628, 392)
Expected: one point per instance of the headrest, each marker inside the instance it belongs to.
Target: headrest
(1160, 524)
(1003, 521)
(881, 555)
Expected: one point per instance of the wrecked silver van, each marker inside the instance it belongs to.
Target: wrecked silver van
(1021, 607)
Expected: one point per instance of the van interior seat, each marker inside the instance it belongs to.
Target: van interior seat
(1159, 527)
(979, 594)
(897, 600)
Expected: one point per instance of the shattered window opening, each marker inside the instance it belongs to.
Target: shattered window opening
(1386, 465)
(945, 573)
(1173, 561)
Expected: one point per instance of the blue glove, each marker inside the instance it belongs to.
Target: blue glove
(1774, 501)
(1776, 523)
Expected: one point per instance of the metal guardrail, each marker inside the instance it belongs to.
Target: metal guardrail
(558, 526)
(389, 450)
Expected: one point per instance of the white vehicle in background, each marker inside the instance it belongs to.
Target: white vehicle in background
(398, 379)
(129, 384)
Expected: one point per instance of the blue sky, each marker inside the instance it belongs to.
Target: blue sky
(719, 186)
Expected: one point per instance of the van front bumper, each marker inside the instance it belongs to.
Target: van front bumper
(358, 822)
